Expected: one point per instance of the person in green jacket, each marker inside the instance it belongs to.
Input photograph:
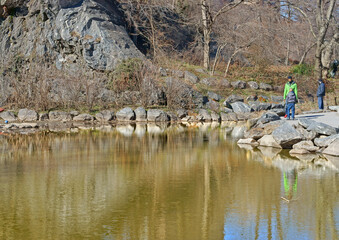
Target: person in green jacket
(290, 85)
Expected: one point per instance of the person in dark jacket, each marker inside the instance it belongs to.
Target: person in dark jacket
(291, 99)
(321, 94)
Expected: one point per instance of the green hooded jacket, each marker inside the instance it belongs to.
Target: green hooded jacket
(290, 85)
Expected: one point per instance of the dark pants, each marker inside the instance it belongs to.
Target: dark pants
(321, 102)
(290, 107)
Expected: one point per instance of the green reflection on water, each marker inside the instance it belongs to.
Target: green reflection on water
(179, 184)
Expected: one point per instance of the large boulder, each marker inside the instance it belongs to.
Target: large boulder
(322, 128)
(59, 116)
(239, 84)
(84, 117)
(240, 107)
(8, 116)
(214, 96)
(253, 85)
(265, 86)
(191, 77)
(325, 141)
(125, 114)
(286, 135)
(28, 115)
(268, 117)
(156, 115)
(204, 116)
(105, 116)
(232, 99)
(306, 145)
(259, 106)
(140, 114)
(333, 149)
(268, 141)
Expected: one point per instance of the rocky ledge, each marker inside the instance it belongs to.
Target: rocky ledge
(305, 137)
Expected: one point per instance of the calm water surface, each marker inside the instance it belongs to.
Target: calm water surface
(178, 183)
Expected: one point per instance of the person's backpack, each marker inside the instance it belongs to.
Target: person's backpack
(291, 98)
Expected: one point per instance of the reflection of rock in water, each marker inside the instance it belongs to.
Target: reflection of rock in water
(155, 128)
(140, 130)
(269, 151)
(126, 130)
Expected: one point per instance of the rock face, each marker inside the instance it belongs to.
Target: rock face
(155, 115)
(125, 114)
(69, 31)
(286, 135)
(240, 107)
(333, 148)
(28, 115)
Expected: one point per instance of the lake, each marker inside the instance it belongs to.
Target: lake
(162, 182)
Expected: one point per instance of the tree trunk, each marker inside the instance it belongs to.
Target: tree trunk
(206, 33)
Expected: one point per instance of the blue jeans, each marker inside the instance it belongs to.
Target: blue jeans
(321, 102)
(290, 106)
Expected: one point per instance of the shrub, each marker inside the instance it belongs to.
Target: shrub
(127, 75)
(302, 69)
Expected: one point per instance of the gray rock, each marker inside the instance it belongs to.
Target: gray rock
(225, 83)
(286, 135)
(277, 106)
(258, 106)
(268, 141)
(209, 81)
(326, 141)
(252, 98)
(240, 107)
(277, 99)
(8, 116)
(334, 108)
(178, 73)
(249, 141)
(333, 149)
(307, 135)
(268, 117)
(307, 145)
(255, 133)
(83, 117)
(279, 111)
(27, 115)
(298, 151)
(304, 122)
(322, 128)
(215, 117)
(59, 116)
(229, 117)
(239, 84)
(163, 72)
(253, 85)
(243, 116)
(204, 116)
(43, 116)
(105, 116)
(156, 115)
(191, 77)
(214, 96)
(265, 86)
(238, 132)
(125, 114)
(173, 117)
(181, 113)
(226, 110)
(232, 99)
(74, 113)
(213, 105)
(140, 114)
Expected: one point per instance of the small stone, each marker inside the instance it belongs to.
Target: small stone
(299, 151)
(191, 77)
(214, 96)
(239, 84)
(253, 85)
(249, 141)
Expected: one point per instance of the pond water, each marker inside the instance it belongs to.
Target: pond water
(151, 182)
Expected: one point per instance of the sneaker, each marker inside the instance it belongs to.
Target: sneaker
(288, 118)
(293, 118)
(285, 116)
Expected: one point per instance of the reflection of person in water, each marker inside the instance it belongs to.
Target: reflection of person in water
(291, 184)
